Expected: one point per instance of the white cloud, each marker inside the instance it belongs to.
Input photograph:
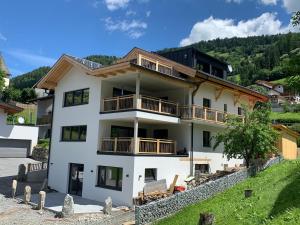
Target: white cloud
(2, 37)
(213, 28)
(31, 58)
(148, 13)
(291, 5)
(234, 1)
(95, 4)
(269, 2)
(133, 28)
(116, 4)
(130, 13)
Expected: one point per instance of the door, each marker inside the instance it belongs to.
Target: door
(14, 148)
(76, 179)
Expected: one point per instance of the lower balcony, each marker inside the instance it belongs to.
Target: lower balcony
(195, 112)
(145, 146)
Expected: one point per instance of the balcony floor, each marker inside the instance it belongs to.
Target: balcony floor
(143, 116)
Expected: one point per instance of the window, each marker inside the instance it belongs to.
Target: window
(150, 174)
(206, 102)
(202, 168)
(119, 131)
(225, 107)
(121, 92)
(78, 97)
(74, 133)
(240, 111)
(110, 177)
(206, 139)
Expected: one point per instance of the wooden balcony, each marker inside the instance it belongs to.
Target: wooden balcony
(144, 146)
(43, 120)
(146, 103)
(201, 113)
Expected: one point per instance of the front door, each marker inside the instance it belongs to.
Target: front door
(76, 179)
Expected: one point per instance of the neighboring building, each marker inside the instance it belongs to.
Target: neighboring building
(145, 118)
(15, 140)
(4, 68)
(278, 95)
(44, 102)
(287, 143)
(198, 60)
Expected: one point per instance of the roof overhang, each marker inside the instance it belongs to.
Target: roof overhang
(237, 89)
(9, 108)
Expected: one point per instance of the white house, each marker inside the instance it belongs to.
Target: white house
(4, 68)
(141, 119)
(15, 140)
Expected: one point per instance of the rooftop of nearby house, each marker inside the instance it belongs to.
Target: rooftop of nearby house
(3, 66)
(132, 62)
(10, 108)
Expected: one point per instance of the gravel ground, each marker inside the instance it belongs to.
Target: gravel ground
(14, 212)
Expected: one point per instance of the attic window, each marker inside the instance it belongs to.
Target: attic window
(164, 69)
(148, 64)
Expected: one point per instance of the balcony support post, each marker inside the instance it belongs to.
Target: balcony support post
(135, 136)
(137, 91)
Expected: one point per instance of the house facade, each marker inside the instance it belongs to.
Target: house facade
(144, 118)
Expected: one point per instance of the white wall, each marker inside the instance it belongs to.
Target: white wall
(167, 168)
(6, 82)
(17, 132)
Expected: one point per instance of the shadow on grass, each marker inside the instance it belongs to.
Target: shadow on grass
(289, 197)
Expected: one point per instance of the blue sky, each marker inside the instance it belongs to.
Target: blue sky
(34, 33)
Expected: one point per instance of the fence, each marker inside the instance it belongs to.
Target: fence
(156, 210)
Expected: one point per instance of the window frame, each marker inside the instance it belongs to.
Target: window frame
(240, 111)
(225, 109)
(80, 131)
(154, 175)
(82, 91)
(204, 143)
(117, 187)
(208, 100)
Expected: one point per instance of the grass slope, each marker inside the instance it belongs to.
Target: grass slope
(276, 200)
(288, 117)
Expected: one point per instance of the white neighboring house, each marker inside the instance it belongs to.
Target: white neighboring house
(145, 118)
(4, 68)
(15, 140)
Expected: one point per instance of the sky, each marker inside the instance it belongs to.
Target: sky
(36, 33)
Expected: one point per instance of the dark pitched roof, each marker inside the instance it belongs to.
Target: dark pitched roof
(10, 108)
(89, 64)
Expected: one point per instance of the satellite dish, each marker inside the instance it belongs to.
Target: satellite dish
(21, 120)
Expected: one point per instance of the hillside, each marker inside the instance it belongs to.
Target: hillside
(275, 200)
(27, 80)
(253, 58)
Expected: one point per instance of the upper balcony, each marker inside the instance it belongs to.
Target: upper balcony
(141, 102)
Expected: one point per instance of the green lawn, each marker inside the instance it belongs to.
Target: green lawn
(276, 200)
(286, 117)
(28, 114)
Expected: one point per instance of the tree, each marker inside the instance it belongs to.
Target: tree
(2, 82)
(296, 19)
(254, 138)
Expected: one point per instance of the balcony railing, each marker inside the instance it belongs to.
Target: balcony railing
(147, 103)
(144, 146)
(201, 113)
(43, 120)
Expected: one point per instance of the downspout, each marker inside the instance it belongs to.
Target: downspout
(192, 133)
(50, 139)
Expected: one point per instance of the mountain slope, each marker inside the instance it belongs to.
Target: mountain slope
(253, 58)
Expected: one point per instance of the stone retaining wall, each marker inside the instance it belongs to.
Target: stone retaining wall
(155, 210)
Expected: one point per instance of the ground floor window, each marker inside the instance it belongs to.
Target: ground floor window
(202, 168)
(110, 177)
(150, 174)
